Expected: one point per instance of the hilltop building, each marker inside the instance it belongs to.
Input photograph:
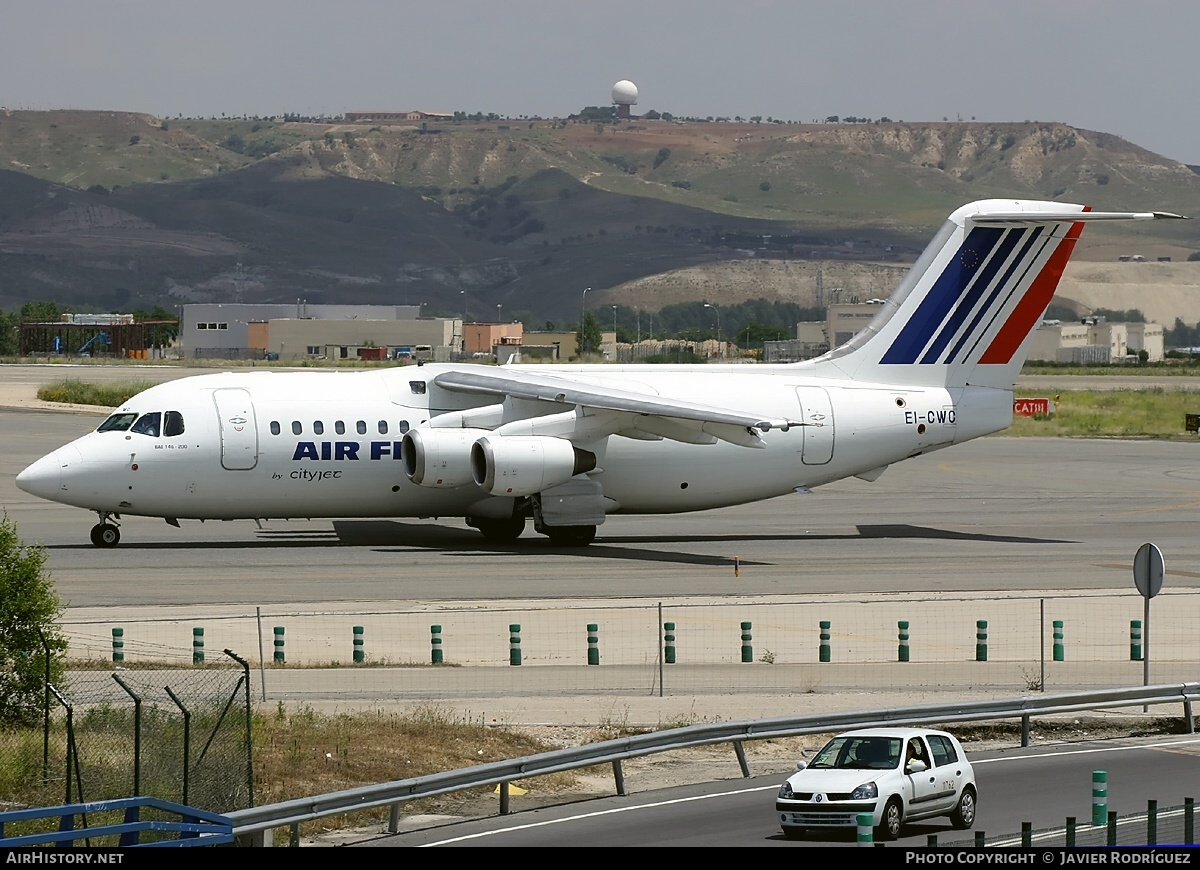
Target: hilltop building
(392, 115)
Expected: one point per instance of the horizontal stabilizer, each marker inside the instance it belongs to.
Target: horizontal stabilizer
(1072, 216)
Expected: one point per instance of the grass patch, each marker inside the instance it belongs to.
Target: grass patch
(73, 391)
(298, 753)
(1149, 413)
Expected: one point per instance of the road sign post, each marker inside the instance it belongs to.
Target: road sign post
(1148, 572)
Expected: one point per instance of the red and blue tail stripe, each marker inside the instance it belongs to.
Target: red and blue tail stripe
(974, 290)
(1033, 303)
(1006, 287)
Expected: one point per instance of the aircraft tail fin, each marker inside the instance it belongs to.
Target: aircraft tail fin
(966, 312)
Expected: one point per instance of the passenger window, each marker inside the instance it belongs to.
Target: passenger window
(117, 423)
(418, 387)
(383, 427)
(403, 427)
(318, 427)
(274, 427)
(339, 427)
(173, 424)
(148, 424)
(296, 427)
(361, 426)
(942, 749)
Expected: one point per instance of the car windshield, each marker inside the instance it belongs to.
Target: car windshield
(858, 753)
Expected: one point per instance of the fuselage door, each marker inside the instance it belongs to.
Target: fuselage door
(239, 434)
(816, 412)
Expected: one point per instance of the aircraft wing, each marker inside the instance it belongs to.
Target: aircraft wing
(676, 416)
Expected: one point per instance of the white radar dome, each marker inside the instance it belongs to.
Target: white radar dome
(624, 93)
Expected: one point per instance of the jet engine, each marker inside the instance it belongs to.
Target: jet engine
(439, 458)
(520, 465)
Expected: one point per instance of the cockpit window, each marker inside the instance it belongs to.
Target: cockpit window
(148, 424)
(173, 424)
(117, 423)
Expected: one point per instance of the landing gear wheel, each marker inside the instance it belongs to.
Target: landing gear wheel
(571, 536)
(892, 821)
(500, 531)
(105, 535)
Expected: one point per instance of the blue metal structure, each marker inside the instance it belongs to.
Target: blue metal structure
(193, 827)
(100, 337)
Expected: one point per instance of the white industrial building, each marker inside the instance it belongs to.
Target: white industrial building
(1095, 340)
(301, 331)
(1091, 340)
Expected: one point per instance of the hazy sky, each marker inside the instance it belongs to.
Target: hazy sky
(1128, 67)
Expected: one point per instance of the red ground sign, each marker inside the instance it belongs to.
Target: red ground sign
(1030, 407)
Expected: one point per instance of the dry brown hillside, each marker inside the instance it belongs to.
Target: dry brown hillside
(1162, 291)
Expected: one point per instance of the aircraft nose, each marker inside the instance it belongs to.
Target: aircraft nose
(44, 477)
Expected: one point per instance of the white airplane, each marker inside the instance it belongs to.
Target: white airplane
(570, 444)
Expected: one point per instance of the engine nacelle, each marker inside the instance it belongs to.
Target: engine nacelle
(439, 458)
(520, 465)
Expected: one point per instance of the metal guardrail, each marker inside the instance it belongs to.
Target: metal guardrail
(254, 826)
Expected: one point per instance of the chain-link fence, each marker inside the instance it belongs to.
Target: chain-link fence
(180, 734)
(819, 644)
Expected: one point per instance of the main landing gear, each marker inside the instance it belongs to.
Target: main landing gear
(505, 531)
(106, 534)
(495, 531)
(571, 536)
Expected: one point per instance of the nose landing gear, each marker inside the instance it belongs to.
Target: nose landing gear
(105, 534)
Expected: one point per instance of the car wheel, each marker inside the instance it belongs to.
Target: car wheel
(964, 814)
(793, 833)
(892, 821)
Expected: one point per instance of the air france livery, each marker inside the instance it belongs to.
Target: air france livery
(567, 445)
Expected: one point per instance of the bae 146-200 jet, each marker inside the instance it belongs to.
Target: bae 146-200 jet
(567, 445)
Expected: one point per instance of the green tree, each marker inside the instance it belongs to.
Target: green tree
(588, 336)
(9, 338)
(40, 312)
(29, 613)
(1129, 315)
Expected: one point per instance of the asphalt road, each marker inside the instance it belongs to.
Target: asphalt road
(1039, 785)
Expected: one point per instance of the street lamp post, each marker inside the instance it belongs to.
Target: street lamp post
(582, 315)
(499, 317)
(463, 298)
(614, 333)
(718, 311)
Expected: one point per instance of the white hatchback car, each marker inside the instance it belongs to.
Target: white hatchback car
(898, 775)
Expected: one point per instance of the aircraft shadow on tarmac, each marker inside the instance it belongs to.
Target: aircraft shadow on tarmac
(384, 532)
(391, 534)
